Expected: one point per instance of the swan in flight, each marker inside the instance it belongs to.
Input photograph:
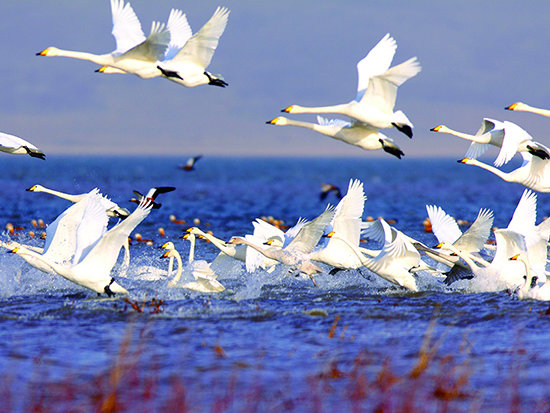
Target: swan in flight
(376, 90)
(357, 134)
(155, 191)
(523, 107)
(531, 290)
(180, 32)
(94, 259)
(347, 224)
(17, 146)
(205, 277)
(534, 173)
(507, 136)
(296, 253)
(132, 54)
(188, 66)
(61, 234)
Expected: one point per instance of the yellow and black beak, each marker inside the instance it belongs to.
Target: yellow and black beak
(43, 52)
(436, 128)
(287, 109)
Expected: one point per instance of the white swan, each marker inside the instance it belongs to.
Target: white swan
(357, 134)
(93, 269)
(188, 66)
(500, 274)
(531, 290)
(523, 107)
(507, 136)
(205, 278)
(376, 90)
(347, 224)
(296, 253)
(534, 173)
(17, 146)
(236, 252)
(128, 55)
(180, 32)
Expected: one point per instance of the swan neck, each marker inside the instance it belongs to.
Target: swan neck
(220, 244)
(99, 59)
(496, 171)
(68, 197)
(464, 256)
(180, 266)
(321, 109)
(191, 248)
(466, 136)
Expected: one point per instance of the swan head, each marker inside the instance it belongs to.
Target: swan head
(289, 109)
(516, 106)
(464, 160)
(235, 241)
(35, 188)
(329, 235)
(281, 120)
(168, 246)
(49, 51)
(14, 251)
(440, 128)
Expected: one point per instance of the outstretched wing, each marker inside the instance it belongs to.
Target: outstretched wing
(309, 235)
(126, 26)
(474, 238)
(444, 226)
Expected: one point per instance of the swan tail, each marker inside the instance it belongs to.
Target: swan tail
(402, 123)
(216, 80)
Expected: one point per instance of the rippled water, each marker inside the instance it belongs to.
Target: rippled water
(269, 342)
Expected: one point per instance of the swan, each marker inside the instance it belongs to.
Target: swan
(238, 253)
(205, 278)
(500, 274)
(531, 290)
(188, 66)
(180, 32)
(95, 260)
(347, 224)
(376, 90)
(190, 164)
(523, 107)
(534, 173)
(296, 253)
(358, 134)
(507, 136)
(17, 146)
(132, 53)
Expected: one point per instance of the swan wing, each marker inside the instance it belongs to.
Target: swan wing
(291, 233)
(525, 214)
(180, 32)
(201, 46)
(398, 249)
(102, 257)
(92, 226)
(126, 26)
(477, 149)
(382, 89)
(376, 62)
(265, 231)
(201, 269)
(153, 48)
(373, 230)
(333, 122)
(509, 243)
(514, 135)
(13, 142)
(347, 218)
(474, 238)
(444, 226)
(309, 235)
(489, 125)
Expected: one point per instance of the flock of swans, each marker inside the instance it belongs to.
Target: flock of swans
(80, 247)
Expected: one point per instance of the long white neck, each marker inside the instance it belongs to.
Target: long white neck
(466, 257)
(528, 275)
(170, 266)
(103, 59)
(176, 254)
(191, 248)
(220, 244)
(341, 109)
(68, 197)
(479, 139)
(503, 175)
(267, 252)
(532, 109)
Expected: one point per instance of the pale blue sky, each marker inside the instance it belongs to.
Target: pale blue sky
(477, 57)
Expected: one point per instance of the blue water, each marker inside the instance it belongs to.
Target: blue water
(267, 343)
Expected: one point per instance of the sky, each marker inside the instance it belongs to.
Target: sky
(477, 57)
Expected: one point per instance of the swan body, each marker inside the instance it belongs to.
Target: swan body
(205, 277)
(188, 66)
(358, 134)
(534, 173)
(17, 146)
(523, 107)
(376, 90)
(95, 258)
(530, 290)
(507, 136)
(128, 56)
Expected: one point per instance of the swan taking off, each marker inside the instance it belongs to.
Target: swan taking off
(376, 90)
(188, 66)
(132, 54)
(17, 146)
(357, 134)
